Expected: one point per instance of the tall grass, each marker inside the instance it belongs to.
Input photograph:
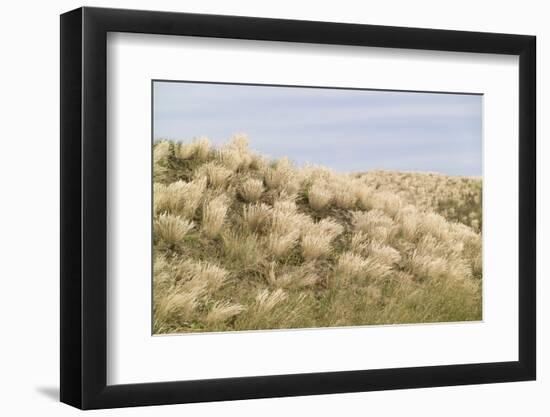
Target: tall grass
(242, 242)
(213, 216)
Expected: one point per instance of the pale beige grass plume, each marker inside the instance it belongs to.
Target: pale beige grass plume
(213, 215)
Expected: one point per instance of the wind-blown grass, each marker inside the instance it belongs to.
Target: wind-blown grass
(242, 242)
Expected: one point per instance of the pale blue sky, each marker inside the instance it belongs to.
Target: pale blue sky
(347, 130)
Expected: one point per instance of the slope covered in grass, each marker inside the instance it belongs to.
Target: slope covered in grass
(242, 242)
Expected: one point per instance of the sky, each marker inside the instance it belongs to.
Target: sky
(347, 130)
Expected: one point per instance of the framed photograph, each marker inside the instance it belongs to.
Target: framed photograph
(257, 208)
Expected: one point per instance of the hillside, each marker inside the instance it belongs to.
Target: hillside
(242, 242)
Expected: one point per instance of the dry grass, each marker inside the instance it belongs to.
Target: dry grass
(267, 301)
(214, 276)
(280, 244)
(345, 196)
(172, 229)
(216, 174)
(223, 311)
(201, 148)
(279, 175)
(177, 306)
(242, 242)
(319, 196)
(316, 241)
(257, 216)
(374, 223)
(297, 277)
(213, 216)
(251, 190)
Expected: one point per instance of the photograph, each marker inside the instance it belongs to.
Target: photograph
(292, 207)
(253, 206)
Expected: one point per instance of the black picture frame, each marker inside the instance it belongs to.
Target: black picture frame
(84, 207)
